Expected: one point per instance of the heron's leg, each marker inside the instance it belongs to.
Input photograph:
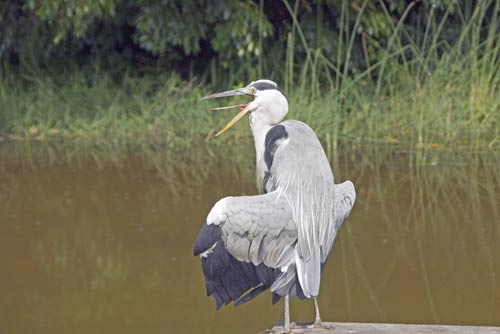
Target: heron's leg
(286, 322)
(317, 319)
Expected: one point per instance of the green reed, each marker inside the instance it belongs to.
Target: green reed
(420, 96)
(164, 122)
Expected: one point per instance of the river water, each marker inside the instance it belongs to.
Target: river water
(109, 250)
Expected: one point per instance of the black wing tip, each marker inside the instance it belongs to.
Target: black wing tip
(208, 236)
(251, 295)
(197, 249)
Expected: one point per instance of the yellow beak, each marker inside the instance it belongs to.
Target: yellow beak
(243, 107)
(236, 118)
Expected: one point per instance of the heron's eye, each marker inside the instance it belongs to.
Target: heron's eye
(253, 90)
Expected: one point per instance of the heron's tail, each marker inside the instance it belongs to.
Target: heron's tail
(287, 283)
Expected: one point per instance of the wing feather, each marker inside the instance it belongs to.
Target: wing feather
(345, 196)
(257, 229)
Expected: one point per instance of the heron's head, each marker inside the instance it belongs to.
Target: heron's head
(269, 106)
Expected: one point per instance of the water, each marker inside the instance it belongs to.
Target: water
(105, 250)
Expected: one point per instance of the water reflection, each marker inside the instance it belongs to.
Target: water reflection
(424, 240)
(110, 250)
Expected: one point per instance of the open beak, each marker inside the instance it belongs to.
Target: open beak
(242, 107)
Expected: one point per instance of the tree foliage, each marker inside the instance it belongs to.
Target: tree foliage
(197, 36)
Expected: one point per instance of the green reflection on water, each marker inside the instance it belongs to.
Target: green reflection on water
(110, 250)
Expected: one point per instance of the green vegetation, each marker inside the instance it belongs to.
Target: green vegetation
(425, 90)
(228, 42)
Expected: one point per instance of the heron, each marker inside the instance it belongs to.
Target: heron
(280, 239)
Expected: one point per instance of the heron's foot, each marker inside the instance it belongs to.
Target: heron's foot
(320, 325)
(317, 324)
(276, 331)
(281, 328)
(293, 325)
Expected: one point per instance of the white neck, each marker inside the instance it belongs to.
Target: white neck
(268, 109)
(259, 131)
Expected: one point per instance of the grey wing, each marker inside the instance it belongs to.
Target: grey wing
(243, 245)
(344, 198)
(256, 229)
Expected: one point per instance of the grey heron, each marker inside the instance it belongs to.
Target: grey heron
(278, 240)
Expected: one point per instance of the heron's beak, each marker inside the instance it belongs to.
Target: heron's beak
(234, 92)
(242, 107)
(243, 112)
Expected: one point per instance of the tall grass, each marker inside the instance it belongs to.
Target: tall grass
(422, 91)
(160, 121)
(422, 95)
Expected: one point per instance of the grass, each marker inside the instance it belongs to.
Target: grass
(422, 95)
(147, 116)
(160, 121)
